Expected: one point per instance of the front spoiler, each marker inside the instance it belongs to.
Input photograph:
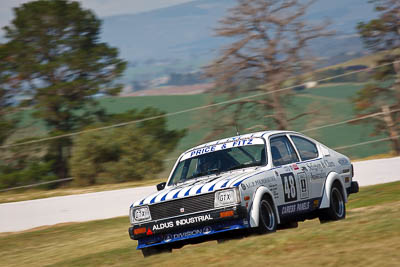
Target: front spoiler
(189, 226)
(192, 233)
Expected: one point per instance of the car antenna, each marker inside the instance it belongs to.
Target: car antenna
(237, 130)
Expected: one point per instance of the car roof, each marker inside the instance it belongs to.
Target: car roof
(263, 134)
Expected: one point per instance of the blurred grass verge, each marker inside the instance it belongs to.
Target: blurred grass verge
(37, 192)
(369, 236)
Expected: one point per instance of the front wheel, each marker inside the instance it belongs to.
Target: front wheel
(267, 221)
(337, 207)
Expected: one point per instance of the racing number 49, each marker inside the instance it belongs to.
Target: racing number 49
(289, 186)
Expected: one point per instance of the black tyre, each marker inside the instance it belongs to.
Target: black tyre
(267, 221)
(155, 250)
(337, 208)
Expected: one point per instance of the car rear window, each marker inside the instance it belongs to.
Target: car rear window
(307, 149)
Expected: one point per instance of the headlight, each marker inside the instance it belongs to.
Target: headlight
(226, 197)
(140, 214)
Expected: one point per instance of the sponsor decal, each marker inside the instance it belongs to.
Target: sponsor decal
(182, 210)
(200, 218)
(303, 185)
(180, 222)
(316, 170)
(295, 167)
(314, 166)
(288, 168)
(235, 143)
(243, 186)
(295, 208)
(206, 230)
(343, 161)
(329, 164)
(242, 142)
(274, 190)
(168, 237)
(317, 176)
(163, 225)
(304, 169)
(258, 182)
(202, 151)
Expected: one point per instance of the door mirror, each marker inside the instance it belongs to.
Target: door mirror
(161, 186)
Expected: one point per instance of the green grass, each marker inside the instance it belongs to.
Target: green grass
(375, 195)
(331, 102)
(370, 236)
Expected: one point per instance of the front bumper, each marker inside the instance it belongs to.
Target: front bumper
(189, 226)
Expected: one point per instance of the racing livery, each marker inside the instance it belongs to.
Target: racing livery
(256, 182)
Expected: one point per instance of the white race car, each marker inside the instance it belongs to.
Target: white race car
(256, 182)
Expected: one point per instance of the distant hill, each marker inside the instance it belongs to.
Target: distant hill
(180, 38)
(185, 31)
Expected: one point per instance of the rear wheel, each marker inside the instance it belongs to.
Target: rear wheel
(267, 221)
(337, 207)
(155, 250)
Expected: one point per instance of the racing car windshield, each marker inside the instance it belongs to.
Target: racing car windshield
(210, 160)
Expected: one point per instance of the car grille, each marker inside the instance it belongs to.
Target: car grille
(188, 205)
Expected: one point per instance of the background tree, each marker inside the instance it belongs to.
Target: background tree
(383, 95)
(54, 55)
(7, 125)
(127, 153)
(269, 47)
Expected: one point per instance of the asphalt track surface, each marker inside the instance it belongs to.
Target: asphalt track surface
(24, 215)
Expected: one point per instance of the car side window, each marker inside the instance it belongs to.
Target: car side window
(307, 149)
(282, 151)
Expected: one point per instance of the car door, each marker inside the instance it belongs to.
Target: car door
(284, 161)
(312, 165)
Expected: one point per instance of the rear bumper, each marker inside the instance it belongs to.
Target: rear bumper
(190, 226)
(353, 188)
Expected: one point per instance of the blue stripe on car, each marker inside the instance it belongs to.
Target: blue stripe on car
(238, 183)
(212, 187)
(187, 192)
(176, 194)
(224, 184)
(163, 198)
(199, 190)
(152, 201)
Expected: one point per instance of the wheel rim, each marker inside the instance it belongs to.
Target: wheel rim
(337, 202)
(267, 215)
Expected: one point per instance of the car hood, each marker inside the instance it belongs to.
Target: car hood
(201, 185)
